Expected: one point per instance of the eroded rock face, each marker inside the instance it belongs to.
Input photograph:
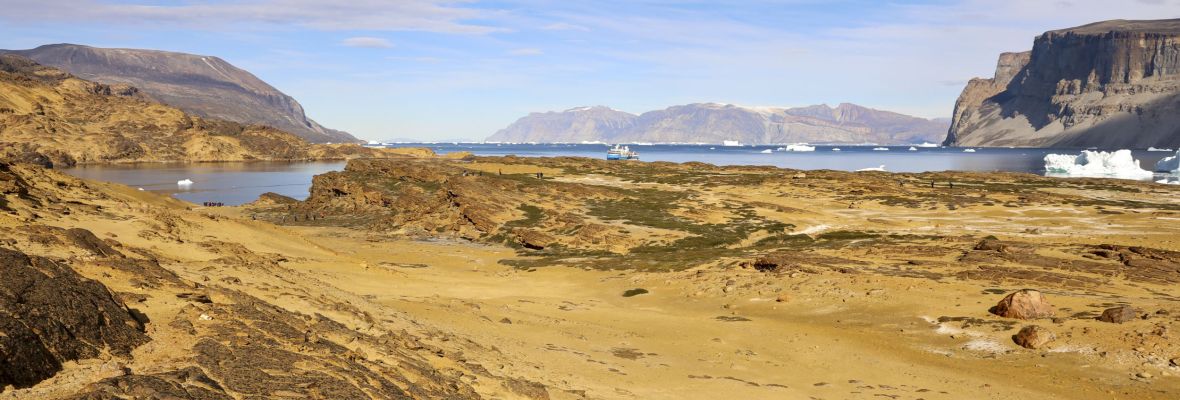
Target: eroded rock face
(49, 314)
(1111, 84)
(1024, 304)
(1034, 337)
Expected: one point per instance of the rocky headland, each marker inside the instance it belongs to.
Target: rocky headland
(1112, 84)
(50, 117)
(205, 86)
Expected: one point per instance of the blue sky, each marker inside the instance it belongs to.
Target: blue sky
(441, 70)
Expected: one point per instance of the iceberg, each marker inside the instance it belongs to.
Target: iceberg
(731, 143)
(912, 148)
(881, 169)
(184, 182)
(880, 149)
(767, 151)
(927, 144)
(968, 150)
(835, 149)
(1157, 149)
(1169, 164)
(800, 147)
(1117, 164)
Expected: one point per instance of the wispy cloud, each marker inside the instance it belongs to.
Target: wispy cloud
(374, 15)
(367, 42)
(528, 51)
(564, 26)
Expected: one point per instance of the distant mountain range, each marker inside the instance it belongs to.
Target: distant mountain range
(203, 85)
(715, 123)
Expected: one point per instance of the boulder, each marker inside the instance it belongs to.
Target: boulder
(1118, 315)
(1034, 337)
(49, 315)
(991, 244)
(1024, 304)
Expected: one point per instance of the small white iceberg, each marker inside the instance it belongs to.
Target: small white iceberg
(880, 149)
(968, 150)
(835, 149)
(1117, 164)
(1158, 149)
(912, 148)
(800, 147)
(927, 144)
(767, 151)
(879, 169)
(184, 182)
(1169, 164)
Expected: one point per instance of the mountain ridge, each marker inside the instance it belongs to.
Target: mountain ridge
(207, 86)
(717, 122)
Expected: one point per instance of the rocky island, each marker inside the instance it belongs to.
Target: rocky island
(1112, 84)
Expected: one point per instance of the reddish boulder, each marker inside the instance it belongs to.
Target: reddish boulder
(1119, 315)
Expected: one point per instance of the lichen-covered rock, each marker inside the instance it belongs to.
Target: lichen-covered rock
(1034, 337)
(1024, 304)
(49, 315)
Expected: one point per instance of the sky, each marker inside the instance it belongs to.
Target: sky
(461, 70)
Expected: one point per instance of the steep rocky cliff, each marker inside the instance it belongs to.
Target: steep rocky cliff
(714, 123)
(1111, 84)
(202, 85)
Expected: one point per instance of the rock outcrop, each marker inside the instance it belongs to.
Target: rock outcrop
(202, 85)
(714, 123)
(49, 315)
(1113, 84)
(50, 117)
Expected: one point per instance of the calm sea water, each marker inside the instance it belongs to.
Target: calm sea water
(238, 183)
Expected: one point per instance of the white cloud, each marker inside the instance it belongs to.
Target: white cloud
(367, 42)
(526, 52)
(375, 15)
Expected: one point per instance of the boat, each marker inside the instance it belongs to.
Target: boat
(621, 153)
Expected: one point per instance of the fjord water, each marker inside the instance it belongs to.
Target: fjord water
(238, 183)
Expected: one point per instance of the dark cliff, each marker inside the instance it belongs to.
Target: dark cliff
(1109, 84)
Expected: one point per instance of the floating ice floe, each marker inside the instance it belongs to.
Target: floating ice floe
(835, 149)
(912, 148)
(767, 151)
(1169, 164)
(880, 149)
(1117, 164)
(184, 182)
(927, 144)
(968, 150)
(800, 147)
(880, 169)
(1158, 149)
